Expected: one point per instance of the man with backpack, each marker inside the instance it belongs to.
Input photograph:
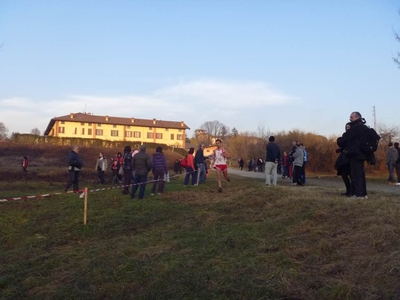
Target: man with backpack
(351, 141)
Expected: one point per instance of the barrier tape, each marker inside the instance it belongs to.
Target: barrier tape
(83, 191)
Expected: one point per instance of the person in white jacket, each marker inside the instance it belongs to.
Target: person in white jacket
(101, 167)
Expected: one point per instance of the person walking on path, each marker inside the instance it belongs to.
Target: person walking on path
(391, 157)
(219, 163)
(142, 165)
(74, 169)
(160, 170)
(273, 155)
(101, 167)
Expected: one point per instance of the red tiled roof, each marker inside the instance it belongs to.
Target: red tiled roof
(89, 118)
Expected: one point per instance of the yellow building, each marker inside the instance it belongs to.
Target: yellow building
(87, 125)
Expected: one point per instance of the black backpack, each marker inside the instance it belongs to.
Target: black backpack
(369, 141)
(369, 144)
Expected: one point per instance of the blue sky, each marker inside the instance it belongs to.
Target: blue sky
(276, 64)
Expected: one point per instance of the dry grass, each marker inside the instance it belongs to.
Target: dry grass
(250, 242)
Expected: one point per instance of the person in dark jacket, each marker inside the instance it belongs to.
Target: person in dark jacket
(350, 140)
(273, 155)
(200, 164)
(74, 169)
(397, 166)
(342, 166)
(127, 166)
(160, 170)
(25, 164)
(142, 165)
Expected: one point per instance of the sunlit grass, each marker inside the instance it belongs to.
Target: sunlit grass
(249, 242)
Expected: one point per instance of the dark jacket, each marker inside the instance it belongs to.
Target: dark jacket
(127, 160)
(141, 163)
(159, 162)
(74, 161)
(351, 138)
(273, 152)
(199, 157)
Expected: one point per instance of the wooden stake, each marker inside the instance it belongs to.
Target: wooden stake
(85, 207)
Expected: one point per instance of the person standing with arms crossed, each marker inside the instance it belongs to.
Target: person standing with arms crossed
(219, 163)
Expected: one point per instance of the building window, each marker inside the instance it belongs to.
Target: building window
(61, 129)
(75, 130)
(114, 126)
(150, 135)
(159, 136)
(128, 127)
(150, 128)
(166, 129)
(62, 122)
(98, 125)
(99, 131)
(114, 132)
(89, 131)
(180, 130)
(179, 137)
(128, 133)
(172, 136)
(83, 130)
(136, 134)
(82, 124)
(90, 124)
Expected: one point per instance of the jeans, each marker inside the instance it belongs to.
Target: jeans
(73, 180)
(271, 172)
(100, 174)
(391, 172)
(202, 169)
(159, 177)
(140, 180)
(189, 171)
(127, 181)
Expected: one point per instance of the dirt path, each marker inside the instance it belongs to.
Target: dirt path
(332, 181)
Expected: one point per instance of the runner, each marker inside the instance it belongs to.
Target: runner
(219, 163)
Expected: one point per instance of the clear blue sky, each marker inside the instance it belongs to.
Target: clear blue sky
(276, 64)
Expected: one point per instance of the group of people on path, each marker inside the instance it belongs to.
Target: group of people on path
(133, 166)
(293, 163)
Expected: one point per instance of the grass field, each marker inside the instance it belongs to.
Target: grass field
(250, 242)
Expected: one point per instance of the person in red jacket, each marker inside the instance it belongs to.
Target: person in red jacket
(190, 168)
(25, 164)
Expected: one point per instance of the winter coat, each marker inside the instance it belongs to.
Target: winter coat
(159, 162)
(391, 156)
(351, 138)
(298, 156)
(141, 163)
(74, 161)
(273, 152)
(101, 164)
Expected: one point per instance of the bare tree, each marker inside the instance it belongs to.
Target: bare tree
(3, 131)
(35, 131)
(214, 130)
(396, 59)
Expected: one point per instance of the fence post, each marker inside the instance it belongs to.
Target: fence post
(85, 207)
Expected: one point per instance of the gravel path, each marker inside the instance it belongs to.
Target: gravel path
(332, 181)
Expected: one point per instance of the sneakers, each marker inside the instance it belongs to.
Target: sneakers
(152, 194)
(220, 190)
(397, 183)
(358, 197)
(228, 179)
